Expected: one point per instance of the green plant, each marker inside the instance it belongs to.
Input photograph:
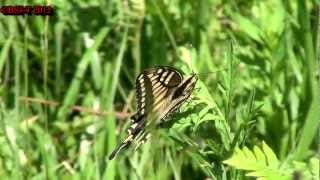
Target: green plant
(67, 89)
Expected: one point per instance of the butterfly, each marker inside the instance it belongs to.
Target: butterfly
(159, 92)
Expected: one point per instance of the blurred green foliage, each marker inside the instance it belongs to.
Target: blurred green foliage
(89, 53)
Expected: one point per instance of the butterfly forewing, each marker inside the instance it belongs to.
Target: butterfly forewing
(152, 87)
(159, 92)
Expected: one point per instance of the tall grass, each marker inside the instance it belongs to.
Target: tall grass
(257, 116)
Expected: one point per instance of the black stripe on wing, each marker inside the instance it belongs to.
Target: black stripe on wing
(167, 76)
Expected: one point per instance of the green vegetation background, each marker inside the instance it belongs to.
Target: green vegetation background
(258, 117)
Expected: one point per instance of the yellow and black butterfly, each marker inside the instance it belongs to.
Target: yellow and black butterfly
(159, 92)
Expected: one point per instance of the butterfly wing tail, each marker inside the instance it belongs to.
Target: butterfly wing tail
(117, 150)
(133, 131)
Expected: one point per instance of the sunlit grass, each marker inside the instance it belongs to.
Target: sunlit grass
(67, 89)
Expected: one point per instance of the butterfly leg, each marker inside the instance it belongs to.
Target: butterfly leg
(191, 100)
(144, 137)
(197, 89)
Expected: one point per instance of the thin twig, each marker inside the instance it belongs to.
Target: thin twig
(99, 112)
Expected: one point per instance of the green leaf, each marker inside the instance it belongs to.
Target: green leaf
(259, 162)
(259, 154)
(314, 167)
(248, 27)
(271, 157)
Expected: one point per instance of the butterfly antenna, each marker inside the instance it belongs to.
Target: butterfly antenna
(190, 57)
(200, 74)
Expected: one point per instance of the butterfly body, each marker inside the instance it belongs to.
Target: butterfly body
(159, 92)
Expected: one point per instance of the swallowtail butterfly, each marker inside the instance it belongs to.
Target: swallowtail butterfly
(159, 92)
